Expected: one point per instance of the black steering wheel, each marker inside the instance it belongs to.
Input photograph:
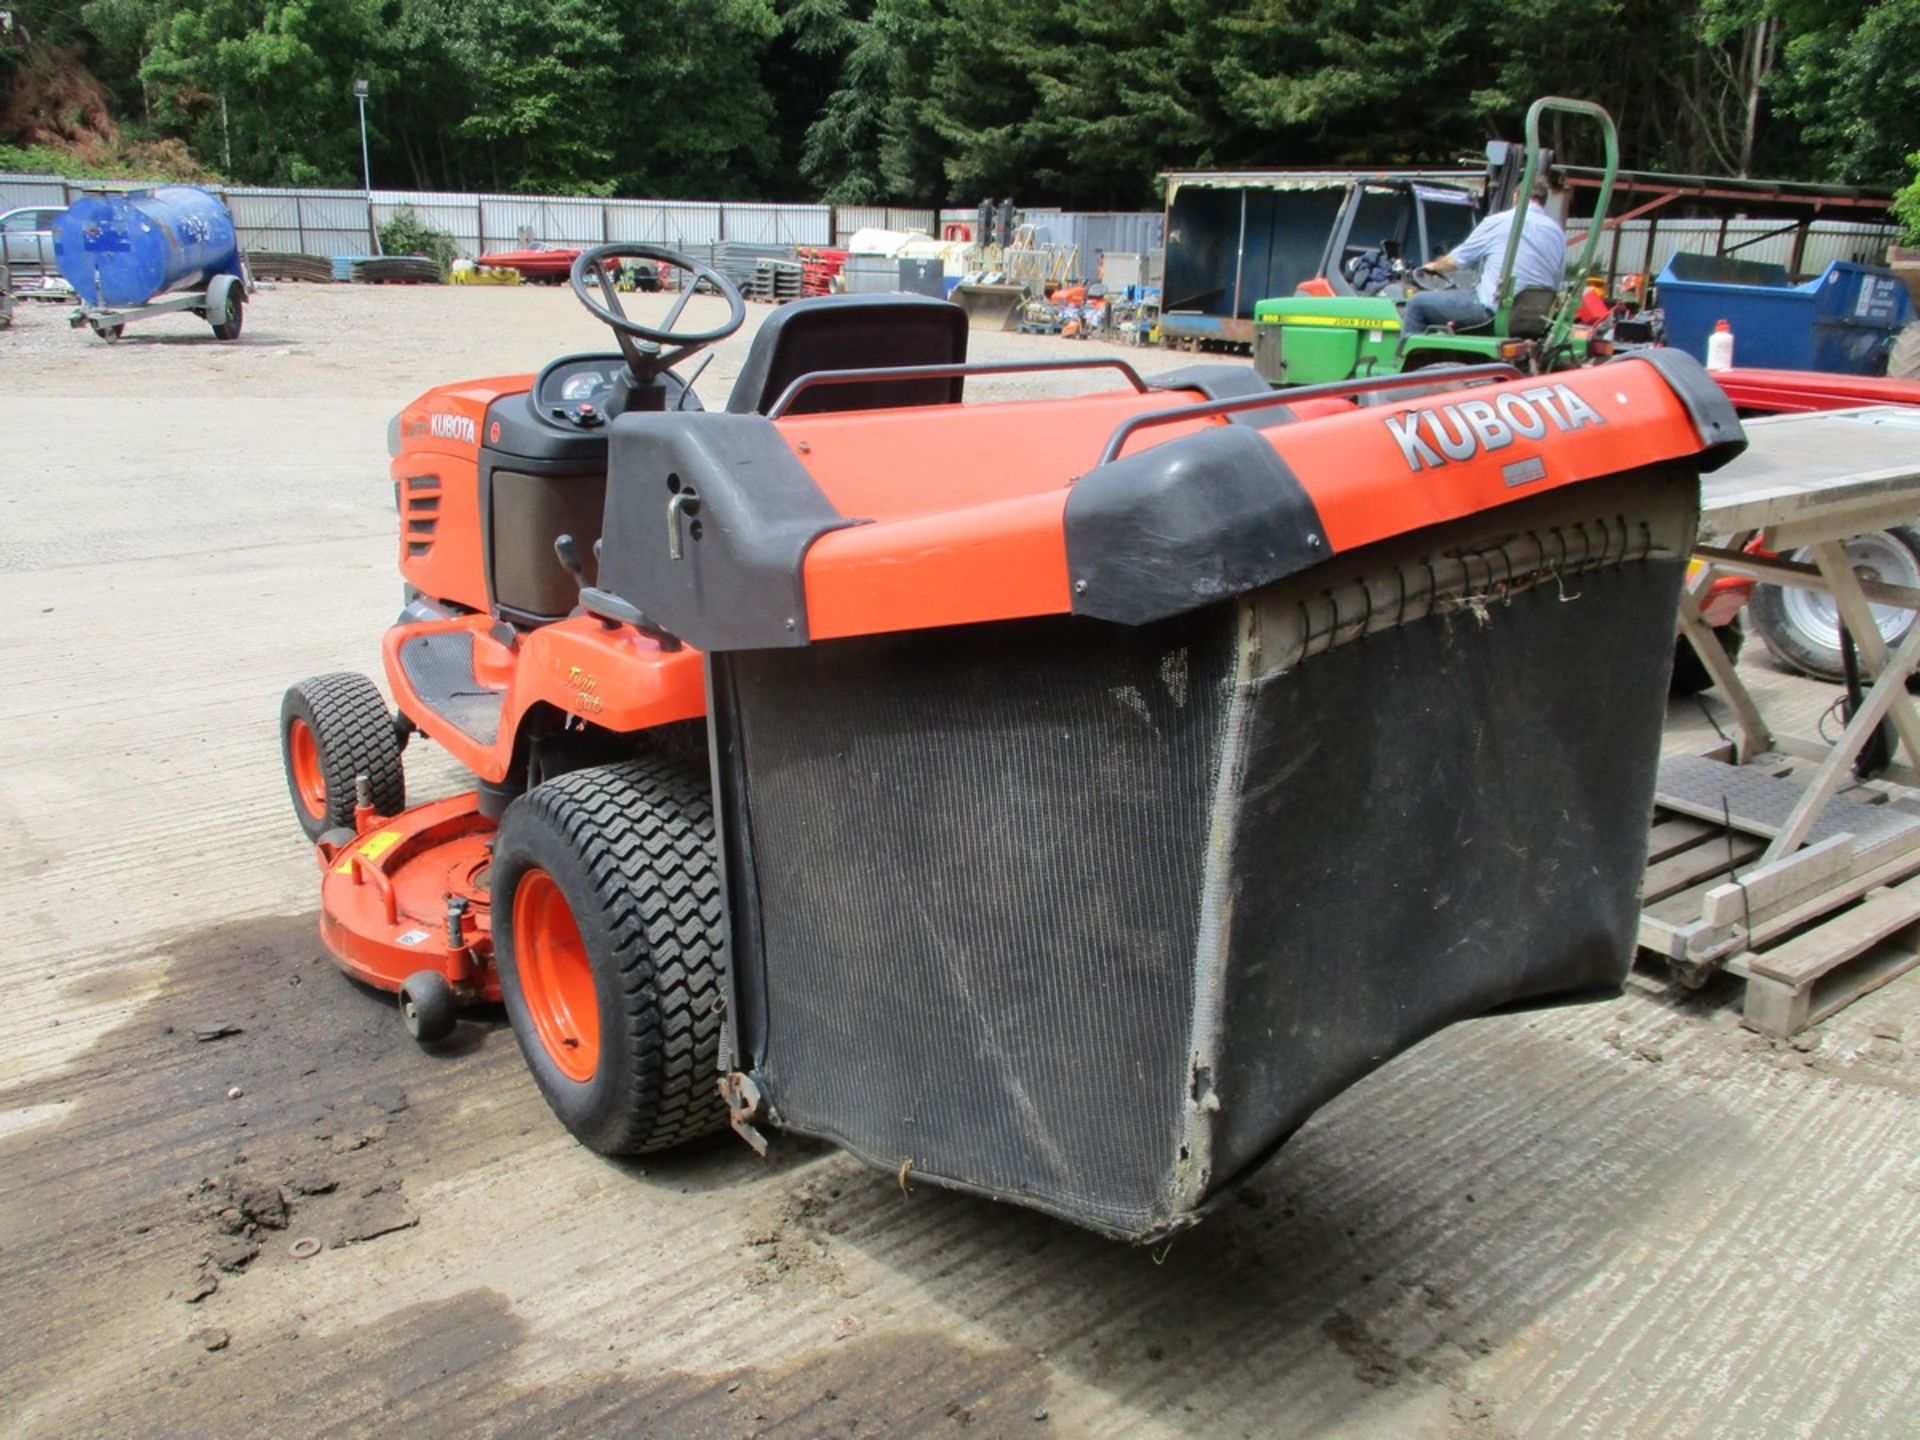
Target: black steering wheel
(1425, 279)
(651, 351)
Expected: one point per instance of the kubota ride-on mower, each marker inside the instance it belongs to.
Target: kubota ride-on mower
(1064, 796)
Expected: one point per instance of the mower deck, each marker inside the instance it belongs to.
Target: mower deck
(394, 898)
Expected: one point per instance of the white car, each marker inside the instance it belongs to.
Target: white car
(27, 235)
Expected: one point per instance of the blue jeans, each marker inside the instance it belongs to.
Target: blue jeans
(1432, 309)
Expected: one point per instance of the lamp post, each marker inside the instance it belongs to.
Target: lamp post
(366, 164)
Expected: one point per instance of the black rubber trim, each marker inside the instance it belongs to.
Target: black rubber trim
(1713, 414)
(748, 514)
(1226, 382)
(1186, 524)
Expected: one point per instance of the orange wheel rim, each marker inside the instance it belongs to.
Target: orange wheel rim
(555, 977)
(309, 779)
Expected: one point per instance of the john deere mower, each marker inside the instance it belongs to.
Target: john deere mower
(1346, 322)
(1064, 797)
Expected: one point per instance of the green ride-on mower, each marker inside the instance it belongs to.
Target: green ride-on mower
(1346, 324)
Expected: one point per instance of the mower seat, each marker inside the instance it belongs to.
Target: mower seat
(1528, 319)
(852, 332)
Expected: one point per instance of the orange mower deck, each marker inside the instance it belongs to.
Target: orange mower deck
(396, 899)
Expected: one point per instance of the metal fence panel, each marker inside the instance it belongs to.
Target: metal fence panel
(778, 224)
(266, 219)
(19, 190)
(503, 217)
(807, 224)
(574, 222)
(1133, 232)
(336, 222)
(849, 220)
(456, 215)
(1765, 241)
(1864, 243)
(659, 222)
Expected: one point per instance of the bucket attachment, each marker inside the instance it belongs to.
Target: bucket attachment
(991, 307)
(1342, 729)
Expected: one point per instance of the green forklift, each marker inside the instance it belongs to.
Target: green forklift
(1345, 324)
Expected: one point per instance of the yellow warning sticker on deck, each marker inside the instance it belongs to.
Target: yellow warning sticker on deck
(377, 845)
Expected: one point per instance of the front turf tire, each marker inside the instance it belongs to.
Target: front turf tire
(607, 924)
(332, 729)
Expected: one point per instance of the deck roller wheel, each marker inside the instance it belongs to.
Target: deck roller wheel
(332, 729)
(427, 1006)
(608, 936)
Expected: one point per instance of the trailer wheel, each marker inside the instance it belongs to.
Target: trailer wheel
(107, 332)
(332, 729)
(227, 327)
(608, 937)
(1802, 627)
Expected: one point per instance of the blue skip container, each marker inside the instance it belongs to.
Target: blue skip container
(120, 250)
(1842, 321)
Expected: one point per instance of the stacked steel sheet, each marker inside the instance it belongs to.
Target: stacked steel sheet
(289, 265)
(395, 270)
(775, 281)
(739, 260)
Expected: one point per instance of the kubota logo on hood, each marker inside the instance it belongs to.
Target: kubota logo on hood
(1466, 428)
(453, 427)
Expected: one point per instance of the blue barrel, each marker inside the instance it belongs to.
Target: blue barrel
(125, 249)
(1842, 321)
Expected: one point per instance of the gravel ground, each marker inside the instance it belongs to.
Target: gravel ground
(1627, 1219)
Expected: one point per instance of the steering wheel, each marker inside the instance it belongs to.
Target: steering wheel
(650, 351)
(1425, 279)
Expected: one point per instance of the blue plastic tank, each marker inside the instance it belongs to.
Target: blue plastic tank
(1842, 321)
(118, 250)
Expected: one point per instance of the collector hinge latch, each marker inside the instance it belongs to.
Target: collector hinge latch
(743, 1108)
(683, 507)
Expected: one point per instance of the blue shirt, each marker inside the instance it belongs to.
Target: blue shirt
(1541, 259)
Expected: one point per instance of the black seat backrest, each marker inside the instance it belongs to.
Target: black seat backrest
(852, 332)
(1532, 310)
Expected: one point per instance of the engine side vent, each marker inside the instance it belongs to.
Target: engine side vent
(421, 511)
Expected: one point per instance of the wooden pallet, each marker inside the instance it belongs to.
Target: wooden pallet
(1823, 969)
(1808, 933)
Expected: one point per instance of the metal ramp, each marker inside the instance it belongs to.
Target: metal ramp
(1751, 800)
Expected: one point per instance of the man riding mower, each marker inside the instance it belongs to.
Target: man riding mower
(1520, 310)
(1539, 267)
(1062, 798)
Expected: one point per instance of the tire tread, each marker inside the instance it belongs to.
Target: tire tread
(643, 832)
(354, 728)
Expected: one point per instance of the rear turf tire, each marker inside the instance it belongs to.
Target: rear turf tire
(333, 728)
(607, 924)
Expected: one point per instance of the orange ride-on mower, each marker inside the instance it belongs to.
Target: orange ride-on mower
(1064, 797)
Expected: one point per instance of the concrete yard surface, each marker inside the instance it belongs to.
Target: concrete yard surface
(235, 1199)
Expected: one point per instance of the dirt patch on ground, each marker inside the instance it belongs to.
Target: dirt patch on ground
(260, 1108)
(261, 1111)
(790, 1235)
